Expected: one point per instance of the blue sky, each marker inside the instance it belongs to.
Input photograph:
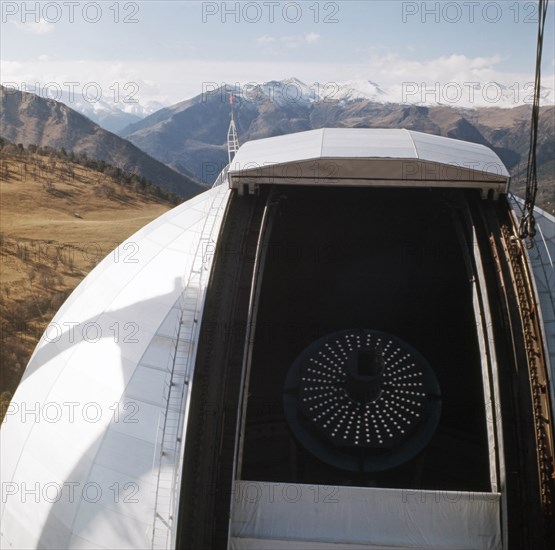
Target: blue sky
(169, 49)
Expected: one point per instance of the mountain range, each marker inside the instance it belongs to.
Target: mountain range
(114, 109)
(184, 143)
(190, 136)
(29, 119)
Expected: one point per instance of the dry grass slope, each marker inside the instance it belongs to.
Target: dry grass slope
(58, 220)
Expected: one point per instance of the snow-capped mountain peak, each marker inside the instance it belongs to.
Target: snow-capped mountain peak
(293, 92)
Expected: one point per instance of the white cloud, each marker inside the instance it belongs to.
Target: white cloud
(42, 27)
(294, 41)
(394, 69)
(153, 80)
(312, 37)
(263, 40)
(288, 40)
(43, 57)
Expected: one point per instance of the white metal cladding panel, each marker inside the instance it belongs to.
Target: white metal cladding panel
(455, 152)
(273, 544)
(392, 518)
(366, 143)
(99, 395)
(277, 150)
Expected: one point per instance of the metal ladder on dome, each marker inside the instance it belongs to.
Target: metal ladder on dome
(178, 380)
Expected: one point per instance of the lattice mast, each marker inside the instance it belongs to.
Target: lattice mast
(232, 139)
